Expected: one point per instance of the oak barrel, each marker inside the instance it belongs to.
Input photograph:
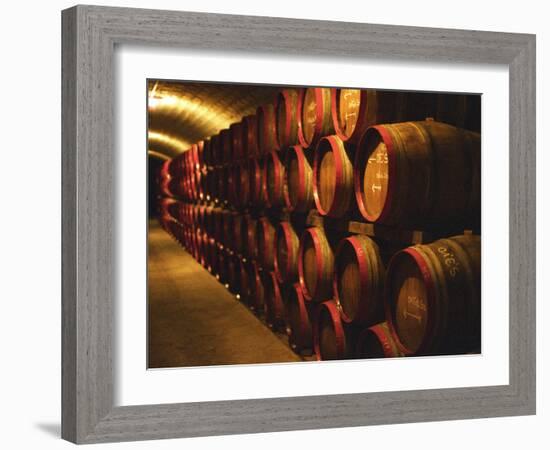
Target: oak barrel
(211, 256)
(228, 225)
(358, 282)
(255, 174)
(207, 153)
(230, 173)
(236, 141)
(274, 179)
(195, 156)
(433, 294)
(223, 183)
(251, 242)
(219, 223)
(203, 249)
(239, 233)
(315, 265)
(298, 185)
(203, 190)
(315, 116)
(211, 184)
(175, 187)
(267, 137)
(354, 110)
(417, 173)
(330, 338)
(164, 185)
(333, 177)
(287, 245)
(265, 235)
(250, 136)
(226, 147)
(241, 179)
(209, 220)
(377, 342)
(298, 327)
(201, 217)
(244, 282)
(286, 110)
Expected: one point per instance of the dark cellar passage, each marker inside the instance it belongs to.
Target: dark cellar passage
(194, 320)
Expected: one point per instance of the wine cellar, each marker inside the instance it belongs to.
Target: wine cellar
(311, 223)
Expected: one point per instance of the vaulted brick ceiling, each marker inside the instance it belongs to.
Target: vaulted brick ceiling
(183, 113)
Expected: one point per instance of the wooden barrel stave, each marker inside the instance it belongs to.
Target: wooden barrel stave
(299, 330)
(245, 292)
(358, 281)
(250, 136)
(333, 177)
(286, 111)
(226, 147)
(265, 235)
(256, 174)
(315, 116)
(418, 173)
(315, 265)
(273, 180)
(298, 185)
(432, 298)
(287, 245)
(332, 339)
(251, 237)
(238, 231)
(267, 135)
(236, 141)
(377, 341)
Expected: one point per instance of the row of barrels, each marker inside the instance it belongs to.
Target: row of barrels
(184, 176)
(342, 295)
(302, 116)
(406, 174)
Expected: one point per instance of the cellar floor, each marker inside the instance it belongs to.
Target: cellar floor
(194, 320)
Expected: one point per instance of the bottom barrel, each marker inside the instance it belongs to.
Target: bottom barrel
(298, 312)
(331, 338)
(433, 296)
(377, 342)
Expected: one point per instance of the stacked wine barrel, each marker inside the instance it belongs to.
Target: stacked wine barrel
(241, 203)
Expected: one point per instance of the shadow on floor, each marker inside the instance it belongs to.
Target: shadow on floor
(53, 429)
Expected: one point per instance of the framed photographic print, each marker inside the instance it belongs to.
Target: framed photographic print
(266, 230)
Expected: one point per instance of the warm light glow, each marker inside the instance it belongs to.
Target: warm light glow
(159, 155)
(179, 145)
(166, 103)
(162, 102)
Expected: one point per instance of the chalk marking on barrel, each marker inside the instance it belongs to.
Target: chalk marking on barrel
(407, 314)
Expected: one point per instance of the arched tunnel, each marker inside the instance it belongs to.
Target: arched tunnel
(291, 224)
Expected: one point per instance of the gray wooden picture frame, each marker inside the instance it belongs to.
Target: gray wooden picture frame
(90, 34)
